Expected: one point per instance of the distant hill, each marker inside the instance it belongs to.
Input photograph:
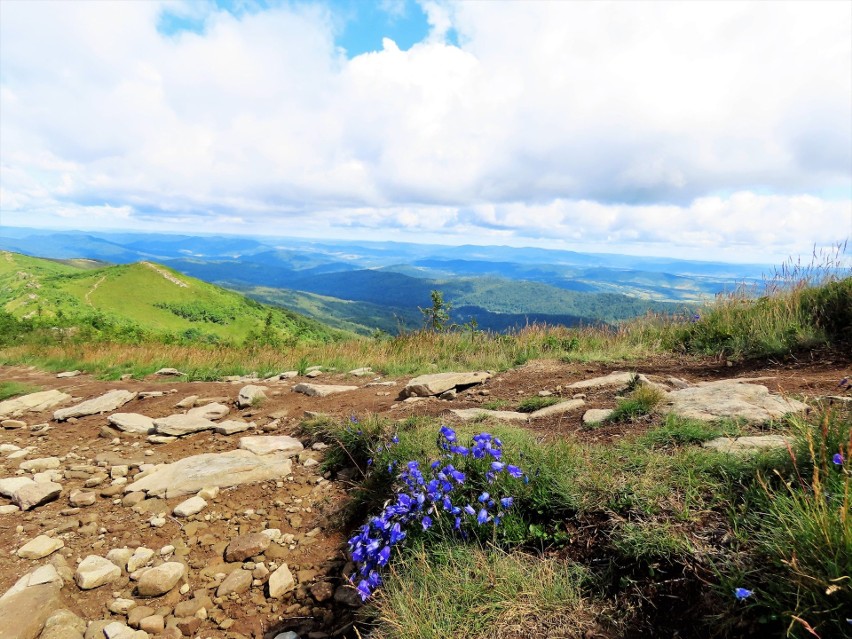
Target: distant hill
(142, 297)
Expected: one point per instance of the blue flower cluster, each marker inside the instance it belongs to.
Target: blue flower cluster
(441, 493)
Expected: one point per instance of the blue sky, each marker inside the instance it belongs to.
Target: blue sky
(699, 129)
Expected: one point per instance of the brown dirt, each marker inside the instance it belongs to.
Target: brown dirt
(273, 504)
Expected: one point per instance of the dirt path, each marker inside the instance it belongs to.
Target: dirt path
(92, 290)
(301, 505)
(166, 275)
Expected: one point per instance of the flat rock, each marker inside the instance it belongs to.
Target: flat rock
(10, 485)
(361, 372)
(169, 372)
(265, 444)
(211, 411)
(709, 401)
(95, 571)
(281, 582)
(232, 427)
(596, 415)
(66, 374)
(182, 424)
(158, 581)
(245, 546)
(106, 403)
(46, 574)
(32, 403)
(321, 390)
(468, 414)
(132, 423)
(23, 614)
(745, 445)
(13, 424)
(249, 395)
(557, 409)
(617, 379)
(39, 465)
(40, 547)
(437, 383)
(189, 507)
(30, 496)
(238, 581)
(189, 475)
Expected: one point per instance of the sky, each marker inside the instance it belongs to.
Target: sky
(707, 130)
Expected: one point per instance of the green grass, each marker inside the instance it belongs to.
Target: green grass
(640, 402)
(532, 404)
(14, 389)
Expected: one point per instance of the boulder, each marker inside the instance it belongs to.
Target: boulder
(132, 423)
(557, 409)
(189, 475)
(250, 395)
(321, 390)
(10, 485)
(265, 444)
(36, 494)
(32, 403)
(468, 414)
(182, 424)
(158, 581)
(437, 383)
(24, 614)
(94, 572)
(709, 401)
(106, 403)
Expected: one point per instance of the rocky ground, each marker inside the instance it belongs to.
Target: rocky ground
(160, 508)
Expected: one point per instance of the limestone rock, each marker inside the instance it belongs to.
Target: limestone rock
(66, 374)
(210, 411)
(321, 390)
(182, 424)
(32, 403)
(189, 475)
(132, 423)
(468, 414)
(23, 614)
(139, 559)
(63, 624)
(40, 547)
(157, 581)
(46, 574)
(36, 494)
(13, 424)
(191, 506)
(250, 394)
(82, 498)
(619, 380)
(596, 415)
(245, 546)
(265, 444)
(557, 409)
(39, 465)
(95, 571)
(745, 445)
(238, 581)
(281, 582)
(437, 383)
(708, 401)
(10, 485)
(232, 427)
(361, 372)
(106, 403)
(169, 372)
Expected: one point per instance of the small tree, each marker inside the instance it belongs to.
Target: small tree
(435, 318)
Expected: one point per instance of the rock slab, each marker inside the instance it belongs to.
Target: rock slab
(158, 581)
(557, 409)
(745, 445)
(23, 614)
(132, 423)
(468, 414)
(95, 571)
(250, 394)
(709, 401)
(32, 403)
(321, 390)
(265, 444)
(180, 425)
(437, 383)
(617, 379)
(106, 403)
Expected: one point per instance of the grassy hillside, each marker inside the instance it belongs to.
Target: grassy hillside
(139, 299)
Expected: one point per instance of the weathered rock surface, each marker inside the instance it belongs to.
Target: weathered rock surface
(265, 444)
(32, 403)
(745, 445)
(709, 401)
(40, 547)
(211, 411)
(24, 613)
(10, 485)
(189, 475)
(189, 507)
(238, 581)
(321, 390)
(596, 415)
(437, 383)
(468, 414)
(232, 427)
(132, 423)
(182, 424)
(95, 571)
(169, 372)
(245, 546)
(157, 581)
(36, 494)
(106, 403)
(617, 379)
(281, 582)
(557, 409)
(250, 395)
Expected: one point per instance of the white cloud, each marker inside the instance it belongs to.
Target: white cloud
(695, 124)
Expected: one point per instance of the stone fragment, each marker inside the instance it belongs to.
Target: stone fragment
(557, 409)
(32, 403)
(245, 546)
(210, 411)
(66, 374)
(106, 403)
(232, 427)
(361, 372)
(63, 624)
(281, 582)
(265, 444)
(152, 624)
(13, 424)
(182, 424)
(36, 494)
(618, 379)
(187, 402)
(732, 398)
(188, 507)
(189, 475)
(10, 485)
(322, 591)
(437, 383)
(596, 415)
(132, 423)
(157, 581)
(468, 414)
(321, 390)
(121, 606)
(40, 547)
(39, 465)
(81, 498)
(239, 581)
(139, 559)
(95, 571)
(746, 445)
(169, 372)
(250, 395)
(120, 556)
